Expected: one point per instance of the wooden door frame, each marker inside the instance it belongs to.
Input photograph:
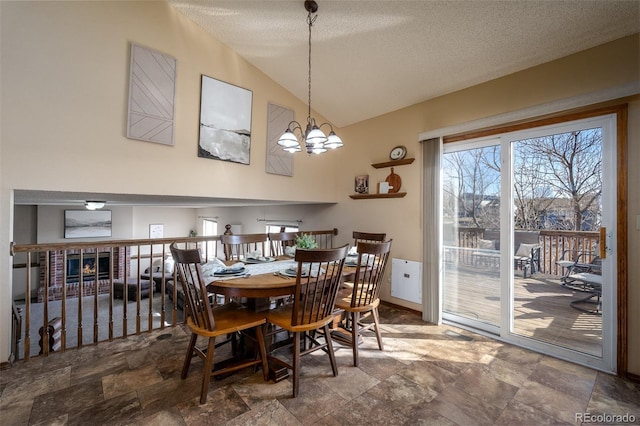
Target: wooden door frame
(621, 113)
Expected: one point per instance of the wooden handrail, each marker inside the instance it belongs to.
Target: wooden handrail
(18, 248)
(130, 260)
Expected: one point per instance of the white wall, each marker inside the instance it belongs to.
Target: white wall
(177, 222)
(25, 231)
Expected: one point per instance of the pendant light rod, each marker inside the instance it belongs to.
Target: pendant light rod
(312, 7)
(314, 139)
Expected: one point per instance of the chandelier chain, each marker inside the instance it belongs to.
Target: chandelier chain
(314, 139)
(310, 21)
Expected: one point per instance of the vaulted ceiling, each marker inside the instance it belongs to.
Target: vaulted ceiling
(370, 57)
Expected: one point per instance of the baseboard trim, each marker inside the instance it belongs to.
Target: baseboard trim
(633, 377)
(404, 308)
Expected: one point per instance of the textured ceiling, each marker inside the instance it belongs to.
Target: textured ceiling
(373, 57)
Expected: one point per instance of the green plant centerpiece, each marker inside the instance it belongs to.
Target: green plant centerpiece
(306, 241)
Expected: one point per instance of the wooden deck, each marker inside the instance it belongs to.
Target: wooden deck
(541, 304)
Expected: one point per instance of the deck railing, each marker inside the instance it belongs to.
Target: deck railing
(84, 310)
(555, 245)
(566, 245)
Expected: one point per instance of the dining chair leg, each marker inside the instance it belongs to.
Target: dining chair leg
(263, 352)
(332, 355)
(376, 320)
(296, 363)
(306, 339)
(207, 370)
(187, 358)
(355, 319)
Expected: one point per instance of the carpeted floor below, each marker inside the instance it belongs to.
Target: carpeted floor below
(97, 319)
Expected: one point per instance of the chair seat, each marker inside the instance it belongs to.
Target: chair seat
(565, 263)
(345, 303)
(229, 318)
(593, 279)
(281, 317)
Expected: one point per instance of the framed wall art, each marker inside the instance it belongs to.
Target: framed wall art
(87, 223)
(152, 88)
(362, 184)
(225, 121)
(156, 230)
(279, 162)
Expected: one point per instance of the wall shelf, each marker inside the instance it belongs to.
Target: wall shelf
(368, 196)
(394, 163)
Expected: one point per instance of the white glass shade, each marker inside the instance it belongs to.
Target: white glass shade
(288, 140)
(333, 141)
(318, 150)
(293, 149)
(316, 137)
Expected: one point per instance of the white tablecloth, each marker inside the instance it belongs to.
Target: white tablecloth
(259, 268)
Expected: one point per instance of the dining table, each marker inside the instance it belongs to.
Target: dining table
(259, 283)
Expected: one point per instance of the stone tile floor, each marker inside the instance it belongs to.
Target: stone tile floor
(432, 375)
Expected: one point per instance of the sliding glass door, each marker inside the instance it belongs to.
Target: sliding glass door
(529, 238)
(471, 207)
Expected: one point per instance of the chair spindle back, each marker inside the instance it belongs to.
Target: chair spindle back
(372, 262)
(280, 240)
(237, 247)
(316, 290)
(368, 237)
(198, 306)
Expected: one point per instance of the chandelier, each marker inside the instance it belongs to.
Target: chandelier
(314, 139)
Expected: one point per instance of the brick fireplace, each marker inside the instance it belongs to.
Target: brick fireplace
(118, 257)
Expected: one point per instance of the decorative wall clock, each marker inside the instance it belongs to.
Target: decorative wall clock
(398, 153)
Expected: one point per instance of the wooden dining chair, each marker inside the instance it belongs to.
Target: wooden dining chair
(367, 237)
(280, 240)
(312, 308)
(210, 322)
(237, 247)
(363, 298)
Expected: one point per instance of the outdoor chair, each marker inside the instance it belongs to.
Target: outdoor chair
(527, 258)
(583, 272)
(575, 262)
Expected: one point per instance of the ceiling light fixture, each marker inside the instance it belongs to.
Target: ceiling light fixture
(94, 205)
(314, 139)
